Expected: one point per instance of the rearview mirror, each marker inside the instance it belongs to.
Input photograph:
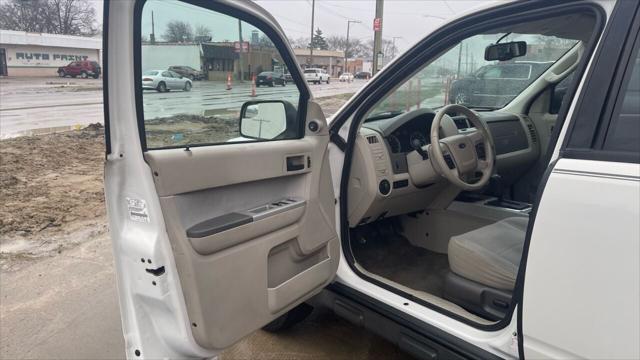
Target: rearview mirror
(263, 120)
(505, 51)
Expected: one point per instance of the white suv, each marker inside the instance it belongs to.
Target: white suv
(316, 75)
(484, 231)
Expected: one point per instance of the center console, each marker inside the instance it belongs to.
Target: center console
(489, 207)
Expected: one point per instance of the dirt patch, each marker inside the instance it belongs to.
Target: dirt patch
(51, 192)
(179, 130)
(331, 104)
(51, 186)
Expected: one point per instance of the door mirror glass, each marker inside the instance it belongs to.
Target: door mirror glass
(264, 120)
(505, 51)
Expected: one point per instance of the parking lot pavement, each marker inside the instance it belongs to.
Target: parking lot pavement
(44, 105)
(66, 307)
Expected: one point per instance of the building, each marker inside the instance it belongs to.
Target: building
(216, 59)
(354, 66)
(36, 54)
(160, 56)
(332, 61)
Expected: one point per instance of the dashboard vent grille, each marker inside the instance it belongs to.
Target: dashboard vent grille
(372, 139)
(461, 122)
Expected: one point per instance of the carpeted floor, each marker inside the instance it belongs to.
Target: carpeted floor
(394, 258)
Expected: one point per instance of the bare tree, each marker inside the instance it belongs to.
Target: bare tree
(264, 41)
(203, 30)
(387, 48)
(70, 17)
(178, 31)
(356, 47)
(299, 43)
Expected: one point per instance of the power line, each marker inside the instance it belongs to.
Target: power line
(326, 8)
(449, 7)
(291, 20)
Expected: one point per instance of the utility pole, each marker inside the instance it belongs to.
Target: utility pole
(466, 58)
(313, 10)
(459, 61)
(152, 37)
(346, 47)
(240, 61)
(394, 46)
(377, 37)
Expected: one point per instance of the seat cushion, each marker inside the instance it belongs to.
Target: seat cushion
(490, 255)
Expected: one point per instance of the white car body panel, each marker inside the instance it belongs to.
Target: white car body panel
(346, 77)
(319, 75)
(599, 205)
(171, 82)
(155, 316)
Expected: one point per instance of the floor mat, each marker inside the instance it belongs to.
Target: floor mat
(394, 258)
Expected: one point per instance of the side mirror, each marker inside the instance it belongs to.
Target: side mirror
(263, 120)
(505, 51)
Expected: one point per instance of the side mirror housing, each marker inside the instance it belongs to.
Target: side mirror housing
(263, 120)
(505, 51)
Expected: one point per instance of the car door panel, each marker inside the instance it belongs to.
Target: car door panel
(264, 265)
(203, 257)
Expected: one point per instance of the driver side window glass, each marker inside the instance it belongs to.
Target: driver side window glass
(233, 93)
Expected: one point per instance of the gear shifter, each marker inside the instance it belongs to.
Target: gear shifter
(496, 188)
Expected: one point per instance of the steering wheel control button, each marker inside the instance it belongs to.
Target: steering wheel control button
(313, 126)
(480, 151)
(449, 161)
(462, 145)
(384, 187)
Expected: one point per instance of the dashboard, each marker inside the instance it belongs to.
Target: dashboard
(413, 133)
(381, 184)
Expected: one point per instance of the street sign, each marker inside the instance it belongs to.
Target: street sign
(380, 60)
(377, 24)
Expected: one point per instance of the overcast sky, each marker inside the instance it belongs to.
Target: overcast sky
(402, 18)
(409, 20)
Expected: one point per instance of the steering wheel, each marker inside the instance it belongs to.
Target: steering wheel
(459, 156)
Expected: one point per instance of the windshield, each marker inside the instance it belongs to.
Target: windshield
(150, 73)
(463, 76)
(310, 71)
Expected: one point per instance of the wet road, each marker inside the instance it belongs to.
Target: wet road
(44, 105)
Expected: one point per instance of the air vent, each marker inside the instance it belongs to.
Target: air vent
(372, 139)
(532, 132)
(461, 122)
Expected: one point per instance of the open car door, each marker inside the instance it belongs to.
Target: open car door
(219, 195)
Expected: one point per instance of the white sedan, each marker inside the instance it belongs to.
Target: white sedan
(348, 77)
(164, 80)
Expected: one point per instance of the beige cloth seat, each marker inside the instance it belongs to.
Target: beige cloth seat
(490, 255)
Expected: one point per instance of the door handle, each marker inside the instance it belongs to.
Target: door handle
(295, 163)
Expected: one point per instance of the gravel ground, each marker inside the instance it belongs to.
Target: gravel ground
(58, 285)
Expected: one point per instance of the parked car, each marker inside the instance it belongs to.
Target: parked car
(493, 85)
(270, 78)
(165, 80)
(363, 75)
(456, 231)
(348, 77)
(84, 69)
(316, 75)
(187, 72)
(288, 77)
